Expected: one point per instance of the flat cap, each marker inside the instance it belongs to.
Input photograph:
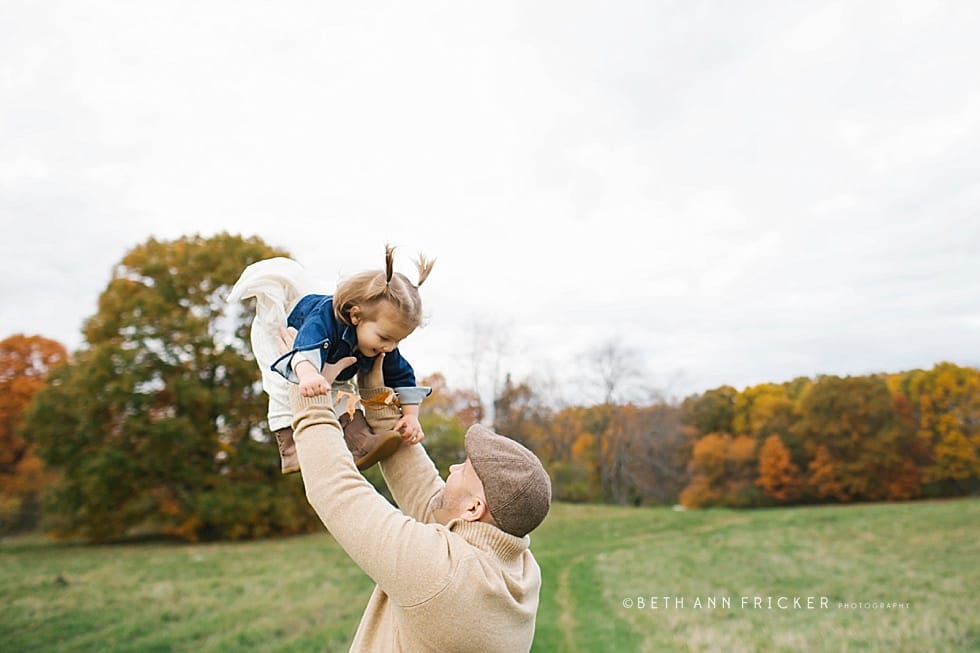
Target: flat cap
(517, 486)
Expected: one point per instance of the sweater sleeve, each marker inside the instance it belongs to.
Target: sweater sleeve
(409, 473)
(409, 560)
(398, 372)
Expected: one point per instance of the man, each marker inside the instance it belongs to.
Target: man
(452, 566)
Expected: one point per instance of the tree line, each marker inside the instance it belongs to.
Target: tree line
(156, 425)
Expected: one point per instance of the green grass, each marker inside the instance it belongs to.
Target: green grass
(303, 594)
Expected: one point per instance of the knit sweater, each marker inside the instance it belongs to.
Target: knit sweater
(462, 586)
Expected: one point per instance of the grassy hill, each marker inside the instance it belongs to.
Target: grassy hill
(884, 577)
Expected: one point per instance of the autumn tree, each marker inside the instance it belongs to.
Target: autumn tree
(723, 472)
(520, 414)
(708, 473)
(824, 480)
(779, 477)
(945, 404)
(445, 416)
(763, 410)
(654, 469)
(569, 446)
(159, 421)
(859, 447)
(25, 362)
(462, 405)
(710, 412)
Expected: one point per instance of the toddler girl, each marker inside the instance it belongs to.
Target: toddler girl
(368, 314)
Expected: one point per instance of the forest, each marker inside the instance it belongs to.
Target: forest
(155, 425)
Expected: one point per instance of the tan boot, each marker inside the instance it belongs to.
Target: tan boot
(287, 450)
(366, 446)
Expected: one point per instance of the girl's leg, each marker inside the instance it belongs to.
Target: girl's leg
(276, 284)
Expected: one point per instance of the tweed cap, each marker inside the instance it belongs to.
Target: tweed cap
(518, 490)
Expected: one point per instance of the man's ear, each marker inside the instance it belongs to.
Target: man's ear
(354, 315)
(475, 509)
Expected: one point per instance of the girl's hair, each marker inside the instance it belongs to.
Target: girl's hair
(370, 290)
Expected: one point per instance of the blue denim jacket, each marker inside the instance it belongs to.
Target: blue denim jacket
(326, 339)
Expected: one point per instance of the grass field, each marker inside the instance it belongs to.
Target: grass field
(896, 577)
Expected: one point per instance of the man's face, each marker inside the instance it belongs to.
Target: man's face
(462, 492)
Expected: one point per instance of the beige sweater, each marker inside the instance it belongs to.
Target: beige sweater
(459, 587)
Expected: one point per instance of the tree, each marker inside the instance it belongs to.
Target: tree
(859, 446)
(444, 440)
(708, 473)
(569, 445)
(614, 366)
(723, 471)
(462, 405)
(763, 410)
(946, 406)
(779, 478)
(519, 414)
(711, 412)
(158, 423)
(823, 479)
(657, 452)
(490, 342)
(25, 362)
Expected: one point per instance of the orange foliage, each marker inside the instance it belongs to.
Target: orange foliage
(779, 478)
(25, 362)
(823, 479)
(722, 471)
(462, 405)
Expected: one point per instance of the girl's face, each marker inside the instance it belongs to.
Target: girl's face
(380, 334)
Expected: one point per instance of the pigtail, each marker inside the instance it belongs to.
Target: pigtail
(424, 266)
(389, 264)
(371, 288)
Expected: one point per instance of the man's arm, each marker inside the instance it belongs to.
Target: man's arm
(410, 561)
(409, 473)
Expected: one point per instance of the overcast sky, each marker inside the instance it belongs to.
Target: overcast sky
(740, 192)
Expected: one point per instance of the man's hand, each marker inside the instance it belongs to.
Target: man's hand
(376, 377)
(287, 336)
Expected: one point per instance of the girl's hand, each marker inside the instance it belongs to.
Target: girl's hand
(410, 429)
(287, 336)
(313, 385)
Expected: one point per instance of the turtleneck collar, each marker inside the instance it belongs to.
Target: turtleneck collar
(490, 538)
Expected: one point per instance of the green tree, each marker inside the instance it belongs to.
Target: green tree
(711, 412)
(158, 422)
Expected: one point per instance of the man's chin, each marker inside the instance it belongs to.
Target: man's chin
(436, 502)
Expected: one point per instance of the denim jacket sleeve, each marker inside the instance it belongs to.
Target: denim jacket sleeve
(313, 337)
